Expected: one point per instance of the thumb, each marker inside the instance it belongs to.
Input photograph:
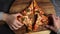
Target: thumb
(51, 28)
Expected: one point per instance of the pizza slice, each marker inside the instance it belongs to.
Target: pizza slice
(42, 19)
(28, 17)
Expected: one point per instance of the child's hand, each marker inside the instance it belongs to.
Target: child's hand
(56, 26)
(13, 22)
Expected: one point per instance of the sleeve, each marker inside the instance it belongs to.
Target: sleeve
(56, 4)
(5, 5)
(58, 32)
(1, 15)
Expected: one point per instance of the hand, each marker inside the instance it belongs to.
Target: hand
(56, 26)
(13, 22)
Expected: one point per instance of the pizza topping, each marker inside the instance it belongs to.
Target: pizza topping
(28, 18)
(41, 12)
(35, 27)
(27, 10)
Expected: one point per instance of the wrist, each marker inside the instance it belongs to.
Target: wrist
(5, 16)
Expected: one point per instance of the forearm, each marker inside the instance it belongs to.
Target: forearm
(3, 16)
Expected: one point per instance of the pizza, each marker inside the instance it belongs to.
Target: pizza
(28, 18)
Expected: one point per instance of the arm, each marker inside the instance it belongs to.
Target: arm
(56, 4)
(56, 23)
(4, 8)
(10, 19)
(3, 16)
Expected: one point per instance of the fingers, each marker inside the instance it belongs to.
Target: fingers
(19, 15)
(55, 17)
(16, 25)
(49, 27)
(52, 28)
(56, 20)
(13, 22)
(19, 23)
(58, 17)
(11, 27)
(15, 28)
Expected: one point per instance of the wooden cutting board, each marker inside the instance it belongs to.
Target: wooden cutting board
(19, 5)
(46, 6)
